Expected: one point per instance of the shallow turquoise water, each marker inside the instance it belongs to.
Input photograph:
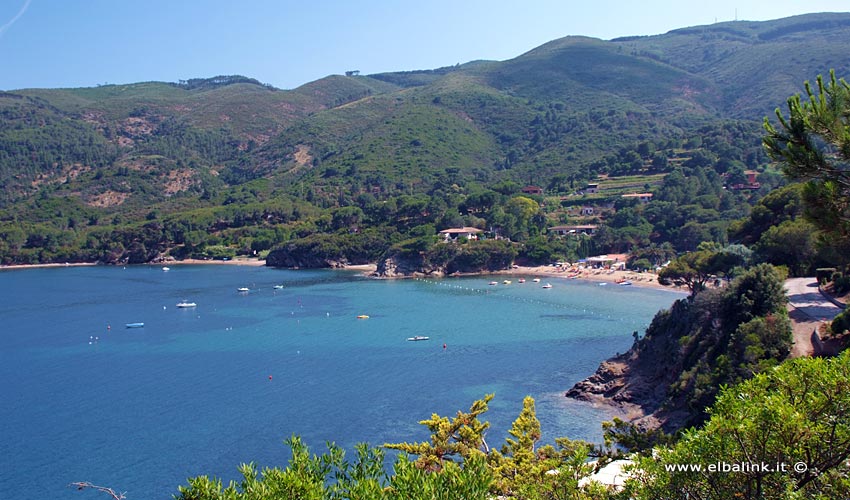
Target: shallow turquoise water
(198, 391)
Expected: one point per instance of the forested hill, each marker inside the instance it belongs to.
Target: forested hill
(92, 161)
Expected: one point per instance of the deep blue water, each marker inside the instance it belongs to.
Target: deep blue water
(141, 410)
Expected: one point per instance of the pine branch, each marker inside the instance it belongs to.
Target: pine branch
(85, 484)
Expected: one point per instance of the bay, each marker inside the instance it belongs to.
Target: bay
(200, 390)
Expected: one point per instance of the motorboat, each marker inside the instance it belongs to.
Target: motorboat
(186, 304)
(521, 280)
(166, 269)
(418, 338)
(135, 325)
(278, 287)
(362, 316)
(536, 280)
(547, 285)
(493, 283)
(506, 282)
(243, 289)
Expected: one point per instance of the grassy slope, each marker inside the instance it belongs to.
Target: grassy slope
(552, 110)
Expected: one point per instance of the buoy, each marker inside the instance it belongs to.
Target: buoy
(108, 327)
(444, 346)
(270, 377)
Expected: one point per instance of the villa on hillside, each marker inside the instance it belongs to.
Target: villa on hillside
(532, 190)
(641, 197)
(751, 184)
(470, 233)
(587, 229)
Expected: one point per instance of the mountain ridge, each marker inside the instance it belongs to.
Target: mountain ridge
(557, 115)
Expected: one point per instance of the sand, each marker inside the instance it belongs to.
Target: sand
(646, 280)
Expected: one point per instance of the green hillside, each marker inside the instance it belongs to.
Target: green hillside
(125, 156)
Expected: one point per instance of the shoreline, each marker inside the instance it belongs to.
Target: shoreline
(232, 262)
(643, 280)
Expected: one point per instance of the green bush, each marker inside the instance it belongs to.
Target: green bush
(841, 323)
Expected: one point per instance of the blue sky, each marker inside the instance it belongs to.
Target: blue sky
(83, 43)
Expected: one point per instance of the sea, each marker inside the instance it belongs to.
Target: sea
(198, 391)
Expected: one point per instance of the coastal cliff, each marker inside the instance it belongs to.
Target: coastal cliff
(718, 337)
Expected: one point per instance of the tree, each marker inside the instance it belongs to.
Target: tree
(693, 270)
(813, 145)
(451, 439)
(783, 434)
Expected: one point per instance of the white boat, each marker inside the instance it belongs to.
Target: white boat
(418, 338)
(536, 280)
(493, 283)
(166, 269)
(135, 325)
(186, 305)
(506, 282)
(547, 285)
(624, 282)
(278, 287)
(521, 280)
(243, 289)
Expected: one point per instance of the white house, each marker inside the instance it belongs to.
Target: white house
(579, 229)
(470, 233)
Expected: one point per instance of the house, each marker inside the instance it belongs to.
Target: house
(641, 197)
(588, 229)
(591, 188)
(752, 183)
(532, 190)
(470, 233)
(586, 211)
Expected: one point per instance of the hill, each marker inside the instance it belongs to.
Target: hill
(235, 159)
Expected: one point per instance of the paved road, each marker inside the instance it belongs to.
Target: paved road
(807, 309)
(803, 295)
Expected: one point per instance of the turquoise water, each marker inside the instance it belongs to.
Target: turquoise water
(198, 391)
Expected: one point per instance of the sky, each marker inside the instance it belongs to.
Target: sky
(287, 43)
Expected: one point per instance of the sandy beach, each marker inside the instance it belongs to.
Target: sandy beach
(646, 280)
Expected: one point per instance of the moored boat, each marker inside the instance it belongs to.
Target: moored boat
(135, 325)
(243, 289)
(186, 304)
(418, 338)
(362, 316)
(547, 285)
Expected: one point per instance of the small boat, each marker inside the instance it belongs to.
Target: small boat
(362, 316)
(536, 280)
(243, 289)
(278, 287)
(135, 325)
(521, 280)
(547, 285)
(418, 338)
(493, 283)
(186, 305)
(624, 282)
(506, 282)
(166, 269)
